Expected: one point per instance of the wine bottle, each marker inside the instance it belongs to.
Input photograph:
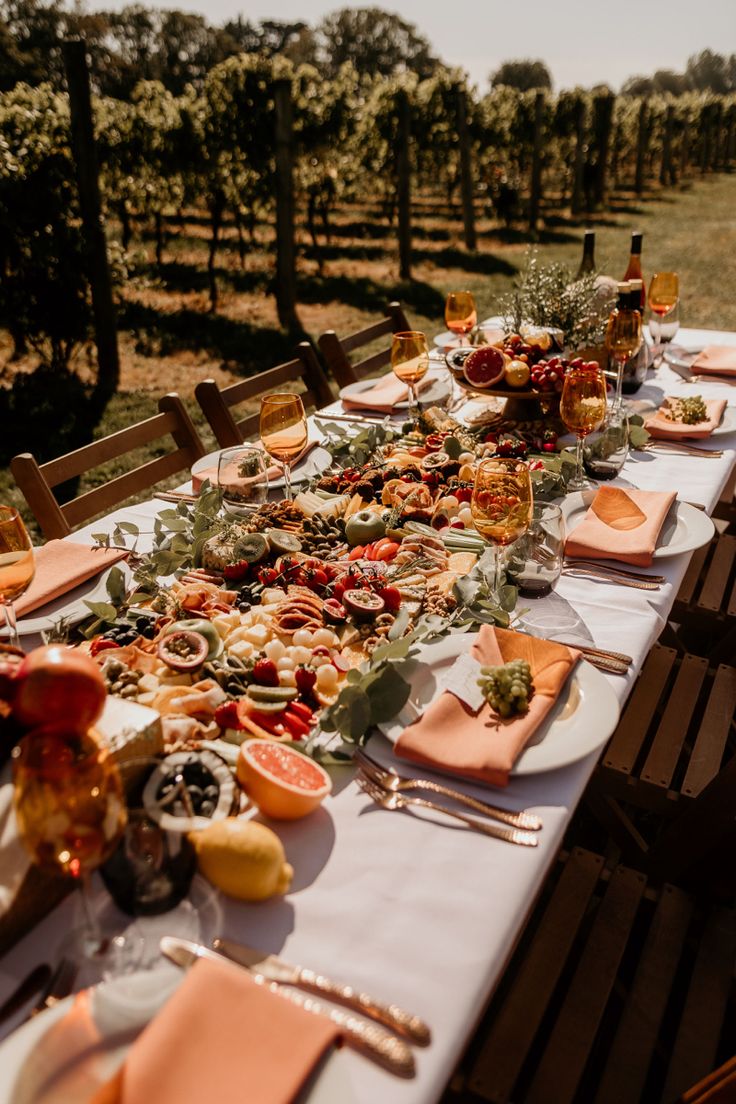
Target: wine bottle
(587, 264)
(635, 369)
(633, 270)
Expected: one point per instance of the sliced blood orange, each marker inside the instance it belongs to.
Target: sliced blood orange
(484, 366)
(283, 783)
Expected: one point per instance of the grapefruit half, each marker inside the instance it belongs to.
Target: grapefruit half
(484, 367)
(283, 783)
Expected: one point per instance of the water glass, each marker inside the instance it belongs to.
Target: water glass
(534, 561)
(605, 450)
(242, 477)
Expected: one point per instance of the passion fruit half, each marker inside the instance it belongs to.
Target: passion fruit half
(183, 650)
(363, 604)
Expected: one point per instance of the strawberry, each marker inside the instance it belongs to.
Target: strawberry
(265, 673)
(305, 679)
(391, 597)
(227, 716)
(234, 572)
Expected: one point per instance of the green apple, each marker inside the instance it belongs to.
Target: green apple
(364, 527)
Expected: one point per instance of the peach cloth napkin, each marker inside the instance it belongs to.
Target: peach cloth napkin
(60, 566)
(384, 395)
(450, 737)
(274, 471)
(662, 427)
(621, 525)
(717, 360)
(221, 1038)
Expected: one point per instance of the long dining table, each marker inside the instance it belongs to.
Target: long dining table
(409, 908)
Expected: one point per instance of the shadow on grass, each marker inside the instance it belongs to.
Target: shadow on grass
(368, 295)
(485, 264)
(178, 276)
(247, 348)
(517, 235)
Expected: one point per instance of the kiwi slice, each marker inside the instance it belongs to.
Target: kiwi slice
(271, 693)
(283, 542)
(265, 706)
(252, 548)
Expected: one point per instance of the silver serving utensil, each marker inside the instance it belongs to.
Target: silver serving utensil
(274, 968)
(390, 780)
(623, 571)
(580, 572)
(369, 1038)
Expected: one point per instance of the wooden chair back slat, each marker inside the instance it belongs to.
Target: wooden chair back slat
(575, 1028)
(719, 1087)
(633, 1044)
(717, 576)
(710, 742)
(660, 763)
(694, 1052)
(500, 1062)
(690, 579)
(36, 480)
(335, 349)
(627, 740)
(218, 403)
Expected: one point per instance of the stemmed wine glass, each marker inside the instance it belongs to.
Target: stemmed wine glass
(284, 432)
(461, 316)
(664, 296)
(623, 340)
(410, 362)
(582, 409)
(71, 812)
(17, 566)
(501, 505)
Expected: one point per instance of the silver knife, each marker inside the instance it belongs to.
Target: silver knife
(368, 1038)
(274, 968)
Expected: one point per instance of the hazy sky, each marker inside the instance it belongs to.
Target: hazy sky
(582, 41)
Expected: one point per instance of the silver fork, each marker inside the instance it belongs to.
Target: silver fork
(389, 780)
(579, 572)
(394, 801)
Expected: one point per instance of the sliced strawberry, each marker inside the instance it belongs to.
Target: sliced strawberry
(265, 673)
(228, 716)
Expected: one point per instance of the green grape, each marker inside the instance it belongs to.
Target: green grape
(507, 688)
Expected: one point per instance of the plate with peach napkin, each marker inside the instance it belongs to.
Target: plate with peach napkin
(632, 526)
(312, 462)
(579, 716)
(388, 394)
(68, 575)
(718, 361)
(720, 418)
(70, 1053)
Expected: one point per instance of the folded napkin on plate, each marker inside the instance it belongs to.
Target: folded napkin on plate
(661, 427)
(60, 566)
(221, 1038)
(274, 471)
(621, 525)
(717, 360)
(384, 395)
(450, 737)
(493, 335)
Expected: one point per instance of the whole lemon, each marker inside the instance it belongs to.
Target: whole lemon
(517, 373)
(244, 859)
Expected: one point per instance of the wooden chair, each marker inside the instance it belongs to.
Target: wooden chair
(664, 787)
(37, 480)
(705, 606)
(621, 992)
(336, 350)
(217, 403)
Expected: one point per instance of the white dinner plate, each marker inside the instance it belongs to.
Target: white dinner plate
(314, 463)
(685, 528)
(47, 1062)
(71, 606)
(727, 425)
(437, 391)
(580, 722)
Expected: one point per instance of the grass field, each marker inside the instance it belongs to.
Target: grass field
(169, 339)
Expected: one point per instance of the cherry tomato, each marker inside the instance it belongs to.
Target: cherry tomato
(392, 598)
(388, 551)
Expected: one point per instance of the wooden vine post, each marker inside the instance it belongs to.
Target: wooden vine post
(603, 126)
(666, 172)
(285, 248)
(535, 196)
(576, 203)
(85, 160)
(466, 169)
(403, 173)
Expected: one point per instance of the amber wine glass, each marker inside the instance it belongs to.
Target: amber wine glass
(582, 409)
(623, 340)
(17, 566)
(70, 810)
(501, 505)
(284, 431)
(461, 317)
(410, 362)
(664, 295)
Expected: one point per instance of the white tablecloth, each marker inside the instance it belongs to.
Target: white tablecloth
(423, 915)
